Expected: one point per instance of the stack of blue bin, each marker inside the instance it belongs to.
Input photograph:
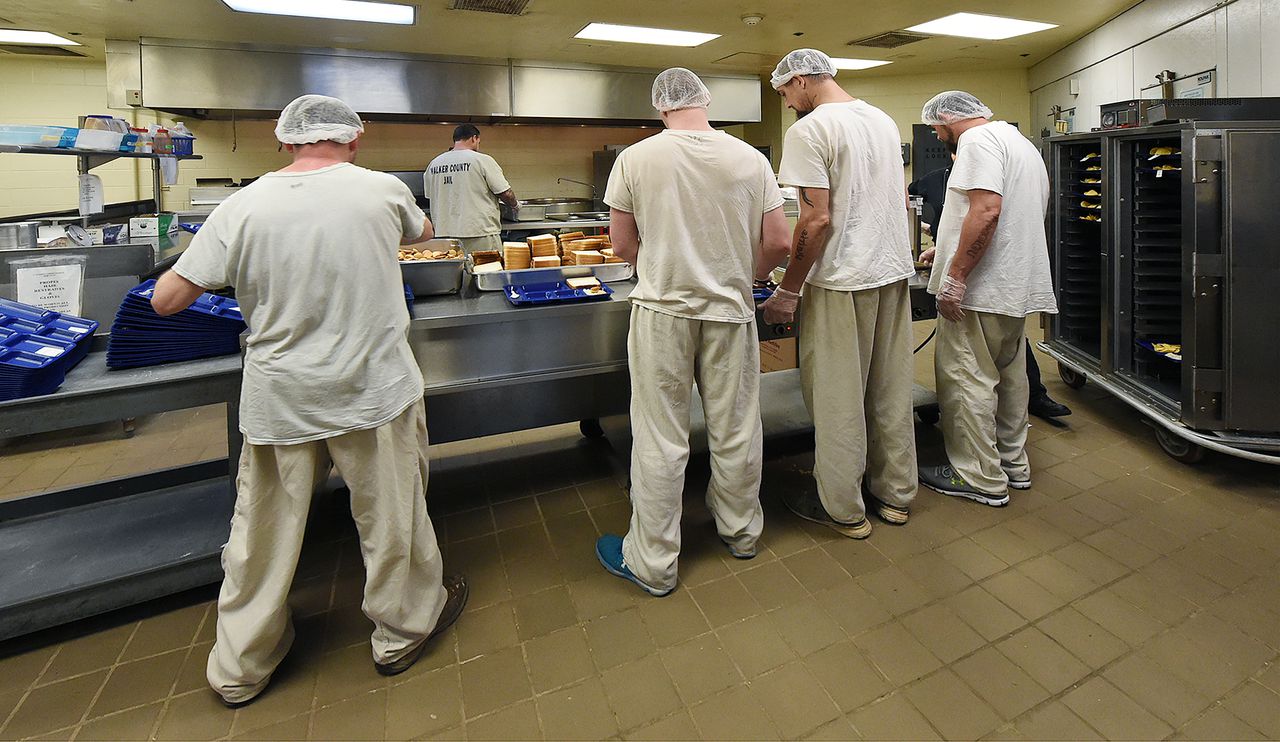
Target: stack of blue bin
(38, 347)
(140, 337)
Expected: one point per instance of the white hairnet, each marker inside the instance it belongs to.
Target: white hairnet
(801, 62)
(953, 106)
(678, 88)
(318, 118)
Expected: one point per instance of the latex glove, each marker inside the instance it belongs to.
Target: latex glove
(927, 256)
(949, 297)
(780, 309)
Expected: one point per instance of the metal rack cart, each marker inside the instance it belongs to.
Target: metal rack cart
(1166, 265)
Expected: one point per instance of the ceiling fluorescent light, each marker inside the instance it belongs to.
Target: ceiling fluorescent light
(338, 10)
(42, 38)
(642, 35)
(844, 63)
(978, 26)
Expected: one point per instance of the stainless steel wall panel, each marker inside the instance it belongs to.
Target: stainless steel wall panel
(181, 75)
(564, 92)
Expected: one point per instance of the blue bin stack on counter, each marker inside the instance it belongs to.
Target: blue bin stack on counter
(38, 347)
(140, 337)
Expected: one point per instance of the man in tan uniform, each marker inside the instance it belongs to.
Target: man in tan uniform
(699, 214)
(338, 386)
(464, 186)
(852, 255)
(991, 270)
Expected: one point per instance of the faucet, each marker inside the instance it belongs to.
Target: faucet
(579, 182)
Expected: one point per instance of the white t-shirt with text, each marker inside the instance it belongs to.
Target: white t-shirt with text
(463, 186)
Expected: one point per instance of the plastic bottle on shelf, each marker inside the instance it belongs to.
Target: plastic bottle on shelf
(143, 143)
(161, 141)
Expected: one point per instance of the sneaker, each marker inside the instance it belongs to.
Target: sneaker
(609, 552)
(737, 553)
(808, 505)
(254, 695)
(457, 592)
(1046, 408)
(947, 481)
(1020, 484)
(891, 514)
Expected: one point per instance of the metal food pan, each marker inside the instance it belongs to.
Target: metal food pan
(432, 277)
(604, 273)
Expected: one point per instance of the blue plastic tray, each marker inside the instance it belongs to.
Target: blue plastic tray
(37, 348)
(760, 294)
(211, 326)
(556, 292)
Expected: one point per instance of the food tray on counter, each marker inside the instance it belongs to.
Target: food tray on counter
(432, 277)
(499, 280)
(553, 292)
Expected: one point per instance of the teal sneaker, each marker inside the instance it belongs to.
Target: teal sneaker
(609, 552)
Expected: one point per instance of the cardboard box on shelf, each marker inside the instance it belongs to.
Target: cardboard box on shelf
(778, 355)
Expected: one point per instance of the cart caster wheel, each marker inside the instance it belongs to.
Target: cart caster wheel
(1071, 378)
(929, 415)
(591, 428)
(1179, 449)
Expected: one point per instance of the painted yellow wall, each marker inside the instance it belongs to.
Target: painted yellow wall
(57, 91)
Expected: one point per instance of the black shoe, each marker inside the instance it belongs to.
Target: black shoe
(1044, 407)
(456, 588)
(808, 505)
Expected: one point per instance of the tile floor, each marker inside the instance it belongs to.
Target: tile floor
(1125, 596)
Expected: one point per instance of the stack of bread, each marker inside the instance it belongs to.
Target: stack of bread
(516, 256)
(546, 261)
(480, 257)
(587, 257)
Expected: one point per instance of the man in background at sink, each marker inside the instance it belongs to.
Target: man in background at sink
(698, 213)
(464, 186)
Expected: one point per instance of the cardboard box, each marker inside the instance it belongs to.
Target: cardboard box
(153, 226)
(778, 355)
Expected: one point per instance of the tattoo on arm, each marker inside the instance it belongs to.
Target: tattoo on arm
(980, 243)
(802, 243)
(804, 196)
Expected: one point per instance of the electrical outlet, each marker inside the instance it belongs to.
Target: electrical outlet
(133, 97)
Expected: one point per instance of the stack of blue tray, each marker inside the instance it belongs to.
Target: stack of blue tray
(140, 337)
(38, 347)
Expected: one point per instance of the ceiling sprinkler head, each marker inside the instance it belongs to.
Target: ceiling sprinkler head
(752, 19)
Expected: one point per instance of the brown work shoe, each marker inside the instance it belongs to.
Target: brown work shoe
(456, 588)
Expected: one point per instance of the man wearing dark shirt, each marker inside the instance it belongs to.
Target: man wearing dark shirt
(932, 187)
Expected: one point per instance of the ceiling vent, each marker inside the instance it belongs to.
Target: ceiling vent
(501, 7)
(38, 51)
(890, 40)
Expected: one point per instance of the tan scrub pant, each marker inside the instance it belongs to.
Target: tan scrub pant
(386, 471)
(981, 369)
(856, 376)
(667, 355)
(483, 242)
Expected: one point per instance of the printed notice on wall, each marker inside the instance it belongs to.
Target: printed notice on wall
(55, 287)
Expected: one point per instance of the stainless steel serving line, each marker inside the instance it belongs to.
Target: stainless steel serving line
(489, 368)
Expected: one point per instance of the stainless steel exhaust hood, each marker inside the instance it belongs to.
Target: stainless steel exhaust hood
(218, 80)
